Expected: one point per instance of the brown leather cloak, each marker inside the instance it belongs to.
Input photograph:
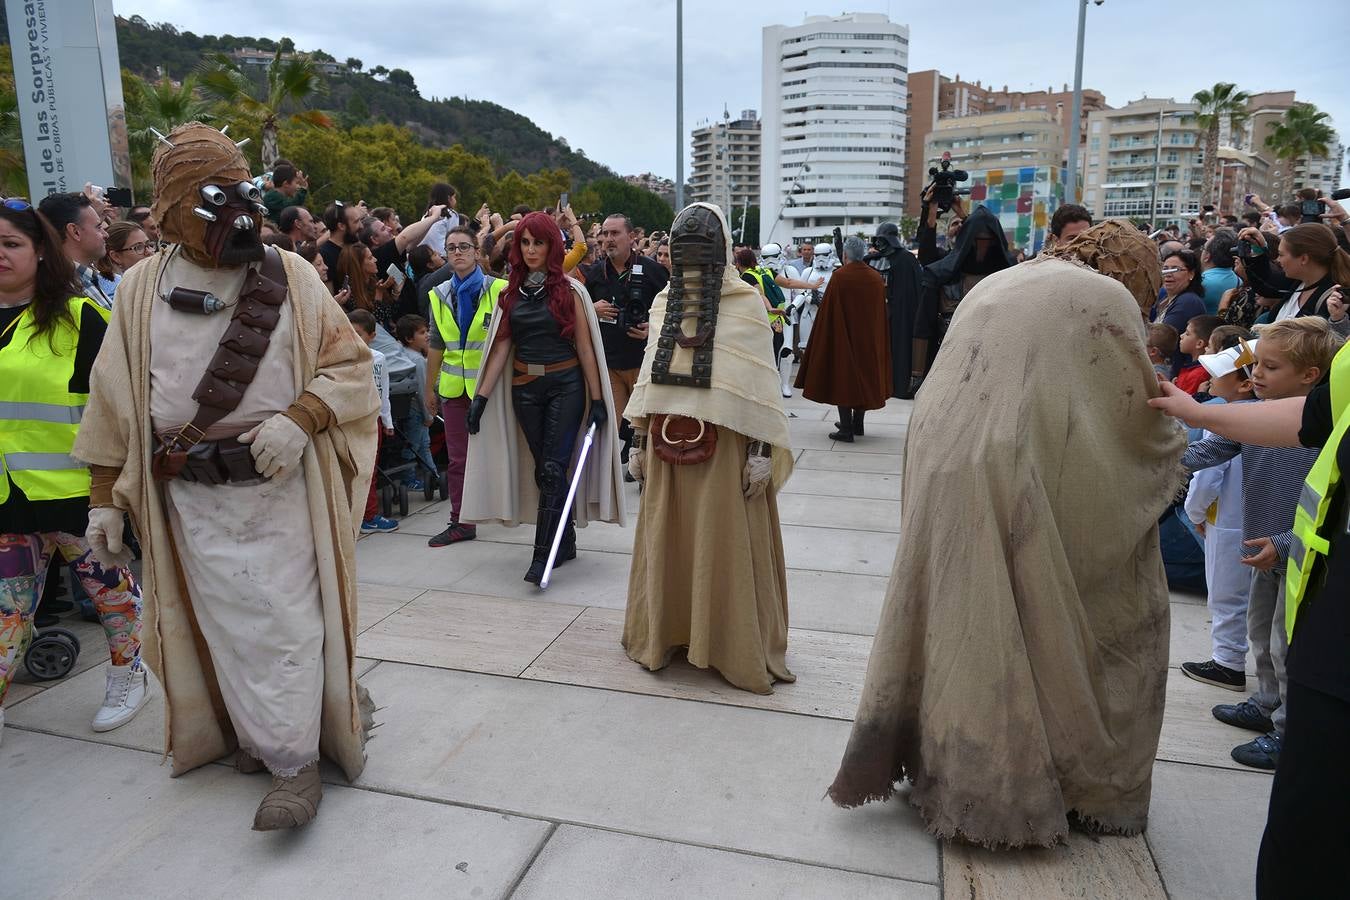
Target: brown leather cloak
(848, 361)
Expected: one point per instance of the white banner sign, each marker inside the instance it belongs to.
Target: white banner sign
(69, 87)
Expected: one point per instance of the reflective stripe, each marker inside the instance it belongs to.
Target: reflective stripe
(41, 412)
(41, 462)
(474, 345)
(470, 374)
(1309, 500)
(457, 372)
(1296, 551)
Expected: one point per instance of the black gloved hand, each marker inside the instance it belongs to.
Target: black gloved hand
(476, 408)
(599, 415)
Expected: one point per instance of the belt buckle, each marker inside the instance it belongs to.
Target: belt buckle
(536, 370)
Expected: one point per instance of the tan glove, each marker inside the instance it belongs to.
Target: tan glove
(635, 465)
(277, 445)
(104, 536)
(755, 477)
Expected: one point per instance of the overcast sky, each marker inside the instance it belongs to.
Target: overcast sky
(608, 84)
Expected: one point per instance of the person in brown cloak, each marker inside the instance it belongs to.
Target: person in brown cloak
(245, 492)
(1018, 671)
(848, 362)
(711, 450)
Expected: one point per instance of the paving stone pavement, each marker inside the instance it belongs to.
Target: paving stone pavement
(521, 754)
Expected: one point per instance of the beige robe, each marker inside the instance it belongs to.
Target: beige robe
(708, 567)
(499, 472)
(1020, 665)
(332, 363)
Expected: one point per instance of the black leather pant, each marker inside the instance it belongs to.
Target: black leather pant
(549, 410)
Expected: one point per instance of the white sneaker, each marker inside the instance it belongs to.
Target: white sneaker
(127, 692)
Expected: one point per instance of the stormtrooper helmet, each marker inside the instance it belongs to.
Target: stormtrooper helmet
(771, 256)
(825, 258)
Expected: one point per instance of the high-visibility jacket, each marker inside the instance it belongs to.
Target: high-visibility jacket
(1311, 516)
(39, 416)
(460, 367)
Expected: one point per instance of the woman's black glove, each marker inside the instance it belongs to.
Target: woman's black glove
(476, 408)
(599, 416)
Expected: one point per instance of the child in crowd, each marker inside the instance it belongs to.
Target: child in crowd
(1162, 346)
(1214, 505)
(1291, 357)
(1192, 343)
(413, 337)
(364, 323)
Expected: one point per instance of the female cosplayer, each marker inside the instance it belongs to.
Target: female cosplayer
(546, 331)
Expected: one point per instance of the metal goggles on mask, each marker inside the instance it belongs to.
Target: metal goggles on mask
(233, 215)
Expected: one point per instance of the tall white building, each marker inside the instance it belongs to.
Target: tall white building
(833, 146)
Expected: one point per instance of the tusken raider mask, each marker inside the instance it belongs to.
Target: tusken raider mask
(204, 199)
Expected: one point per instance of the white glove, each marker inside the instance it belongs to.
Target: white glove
(755, 478)
(635, 464)
(278, 443)
(104, 536)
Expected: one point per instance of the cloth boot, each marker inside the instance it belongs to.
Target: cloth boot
(844, 426)
(292, 802)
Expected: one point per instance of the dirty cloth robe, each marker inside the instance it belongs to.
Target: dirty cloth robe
(203, 640)
(708, 568)
(1019, 667)
(499, 483)
(848, 362)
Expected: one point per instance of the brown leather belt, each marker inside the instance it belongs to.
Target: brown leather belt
(527, 372)
(225, 461)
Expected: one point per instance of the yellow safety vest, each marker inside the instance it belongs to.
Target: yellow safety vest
(459, 368)
(1314, 502)
(39, 416)
(760, 273)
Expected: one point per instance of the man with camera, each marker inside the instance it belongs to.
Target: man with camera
(623, 285)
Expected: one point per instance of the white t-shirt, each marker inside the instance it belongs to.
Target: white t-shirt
(436, 234)
(382, 384)
(1292, 305)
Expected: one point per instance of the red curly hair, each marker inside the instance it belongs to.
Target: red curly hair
(560, 303)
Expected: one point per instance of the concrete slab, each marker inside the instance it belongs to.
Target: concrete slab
(1190, 733)
(834, 601)
(587, 864)
(1085, 866)
(1204, 828)
(67, 709)
(829, 669)
(19, 692)
(375, 601)
(1190, 640)
(839, 512)
(869, 463)
(191, 836)
(698, 773)
(825, 483)
(464, 631)
(838, 550)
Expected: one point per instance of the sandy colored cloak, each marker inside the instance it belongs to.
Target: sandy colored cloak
(1019, 668)
(330, 362)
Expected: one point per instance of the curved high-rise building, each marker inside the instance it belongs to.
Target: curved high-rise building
(833, 144)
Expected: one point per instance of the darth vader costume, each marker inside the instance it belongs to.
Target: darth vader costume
(904, 293)
(981, 250)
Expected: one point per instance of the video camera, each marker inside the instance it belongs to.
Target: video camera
(943, 185)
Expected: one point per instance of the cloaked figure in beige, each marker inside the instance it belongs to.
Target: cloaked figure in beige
(232, 413)
(1019, 668)
(711, 450)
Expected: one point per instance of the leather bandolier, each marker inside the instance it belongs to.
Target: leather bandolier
(184, 454)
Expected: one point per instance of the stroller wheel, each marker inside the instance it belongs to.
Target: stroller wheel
(444, 489)
(386, 500)
(402, 499)
(51, 656)
(68, 635)
(429, 485)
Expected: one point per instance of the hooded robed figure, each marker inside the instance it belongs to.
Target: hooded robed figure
(904, 292)
(711, 449)
(981, 250)
(233, 413)
(1019, 667)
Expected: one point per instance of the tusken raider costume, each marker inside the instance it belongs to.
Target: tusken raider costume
(711, 448)
(246, 489)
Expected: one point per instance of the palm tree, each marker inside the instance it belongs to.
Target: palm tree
(1303, 133)
(157, 106)
(13, 177)
(289, 82)
(1223, 101)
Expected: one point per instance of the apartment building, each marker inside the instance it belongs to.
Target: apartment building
(1128, 147)
(726, 160)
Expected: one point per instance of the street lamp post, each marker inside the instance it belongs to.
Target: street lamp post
(1075, 129)
(679, 105)
(1157, 169)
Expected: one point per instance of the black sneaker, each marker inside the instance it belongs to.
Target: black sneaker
(1244, 715)
(1211, 672)
(453, 535)
(1261, 753)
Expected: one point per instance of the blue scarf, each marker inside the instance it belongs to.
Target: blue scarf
(467, 291)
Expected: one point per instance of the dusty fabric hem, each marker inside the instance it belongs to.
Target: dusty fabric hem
(277, 771)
